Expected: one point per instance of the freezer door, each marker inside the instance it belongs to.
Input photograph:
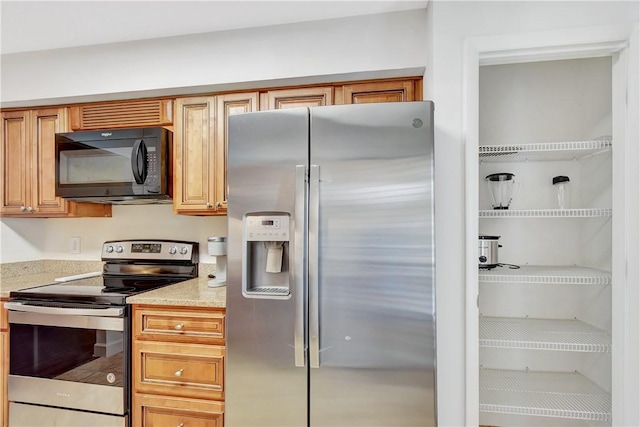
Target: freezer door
(266, 372)
(371, 266)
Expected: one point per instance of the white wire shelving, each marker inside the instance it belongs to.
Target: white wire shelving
(543, 334)
(542, 274)
(546, 213)
(544, 151)
(545, 394)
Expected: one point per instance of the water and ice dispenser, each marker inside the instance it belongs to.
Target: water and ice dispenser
(265, 261)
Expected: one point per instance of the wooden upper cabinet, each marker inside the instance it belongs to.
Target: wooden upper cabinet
(194, 156)
(28, 162)
(226, 106)
(125, 114)
(293, 98)
(387, 91)
(16, 169)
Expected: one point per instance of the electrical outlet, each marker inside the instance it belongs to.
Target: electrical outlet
(74, 245)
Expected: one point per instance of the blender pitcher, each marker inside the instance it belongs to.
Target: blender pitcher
(503, 189)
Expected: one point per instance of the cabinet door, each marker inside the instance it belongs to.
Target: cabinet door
(44, 126)
(16, 169)
(109, 115)
(392, 91)
(186, 370)
(150, 411)
(3, 378)
(228, 105)
(194, 151)
(190, 325)
(294, 98)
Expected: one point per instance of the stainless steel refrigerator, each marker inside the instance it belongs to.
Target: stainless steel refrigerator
(330, 281)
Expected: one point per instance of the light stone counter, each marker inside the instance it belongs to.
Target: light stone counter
(21, 275)
(194, 293)
(191, 293)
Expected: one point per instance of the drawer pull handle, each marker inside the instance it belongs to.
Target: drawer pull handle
(178, 373)
(179, 326)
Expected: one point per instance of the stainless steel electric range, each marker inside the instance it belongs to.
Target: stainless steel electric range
(70, 342)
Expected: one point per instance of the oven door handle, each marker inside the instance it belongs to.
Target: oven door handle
(93, 312)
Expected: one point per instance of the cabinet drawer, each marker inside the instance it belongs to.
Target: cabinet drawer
(189, 370)
(192, 325)
(160, 411)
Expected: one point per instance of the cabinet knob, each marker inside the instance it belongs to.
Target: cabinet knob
(180, 425)
(218, 205)
(179, 326)
(178, 373)
(30, 209)
(22, 209)
(208, 205)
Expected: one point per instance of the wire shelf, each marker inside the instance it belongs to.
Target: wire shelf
(545, 394)
(546, 213)
(544, 151)
(560, 275)
(543, 334)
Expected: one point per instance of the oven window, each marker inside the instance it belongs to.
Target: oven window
(68, 354)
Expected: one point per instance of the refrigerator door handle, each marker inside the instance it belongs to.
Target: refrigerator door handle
(298, 262)
(314, 300)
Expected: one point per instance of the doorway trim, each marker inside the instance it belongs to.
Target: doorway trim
(622, 44)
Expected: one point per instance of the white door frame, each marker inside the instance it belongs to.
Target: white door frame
(622, 43)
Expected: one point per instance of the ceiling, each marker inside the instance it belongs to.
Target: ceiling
(42, 25)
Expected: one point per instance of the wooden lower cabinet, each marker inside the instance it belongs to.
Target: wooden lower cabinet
(178, 356)
(4, 366)
(163, 411)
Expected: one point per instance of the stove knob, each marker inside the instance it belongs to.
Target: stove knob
(184, 250)
(173, 250)
(119, 249)
(109, 249)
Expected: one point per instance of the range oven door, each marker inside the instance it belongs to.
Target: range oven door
(69, 360)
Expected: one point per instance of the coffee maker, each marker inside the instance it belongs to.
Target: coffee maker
(217, 246)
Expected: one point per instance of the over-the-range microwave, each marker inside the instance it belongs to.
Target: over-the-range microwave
(121, 166)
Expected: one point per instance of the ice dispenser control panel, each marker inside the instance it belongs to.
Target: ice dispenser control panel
(266, 255)
(267, 228)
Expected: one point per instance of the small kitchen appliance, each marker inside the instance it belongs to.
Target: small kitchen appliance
(70, 341)
(488, 251)
(121, 166)
(217, 247)
(503, 189)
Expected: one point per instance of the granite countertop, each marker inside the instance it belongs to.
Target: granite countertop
(194, 293)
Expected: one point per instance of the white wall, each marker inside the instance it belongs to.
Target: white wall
(33, 239)
(449, 23)
(382, 45)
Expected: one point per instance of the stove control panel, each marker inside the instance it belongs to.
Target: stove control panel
(150, 250)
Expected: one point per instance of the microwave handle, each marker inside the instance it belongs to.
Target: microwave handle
(139, 161)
